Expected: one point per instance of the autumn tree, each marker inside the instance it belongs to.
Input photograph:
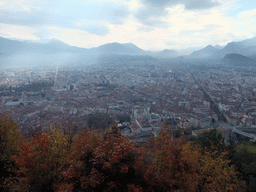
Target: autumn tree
(9, 138)
(173, 171)
(90, 161)
(41, 162)
(111, 163)
(181, 166)
(217, 174)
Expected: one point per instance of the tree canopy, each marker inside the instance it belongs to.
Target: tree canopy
(110, 162)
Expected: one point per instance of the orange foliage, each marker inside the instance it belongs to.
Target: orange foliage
(51, 162)
(40, 162)
(180, 166)
(112, 163)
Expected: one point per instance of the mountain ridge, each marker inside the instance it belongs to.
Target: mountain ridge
(238, 60)
(246, 47)
(204, 53)
(14, 50)
(168, 53)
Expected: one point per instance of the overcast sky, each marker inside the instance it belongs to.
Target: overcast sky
(149, 24)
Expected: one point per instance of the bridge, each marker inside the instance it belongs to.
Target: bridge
(252, 137)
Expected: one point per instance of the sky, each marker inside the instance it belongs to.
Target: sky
(149, 24)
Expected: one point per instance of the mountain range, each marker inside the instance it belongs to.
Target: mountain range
(9, 47)
(246, 47)
(17, 52)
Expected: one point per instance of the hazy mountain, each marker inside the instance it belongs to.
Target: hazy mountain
(218, 47)
(56, 46)
(18, 53)
(204, 53)
(13, 46)
(245, 47)
(248, 42)
(167, 53)
(188, 51)
(134, 48)
(252, 57)
(8, 46)
(29, 54)
(117, 49)
(238, 59)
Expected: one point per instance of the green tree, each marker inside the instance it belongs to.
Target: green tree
(99, 120)
(243, 157)
(211, 141)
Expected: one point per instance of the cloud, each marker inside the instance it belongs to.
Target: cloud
(200, 4)
(150, 24)
(189, 4)
(17, 32)
(154, 11)
(97, 30)
(152, 16)
(206, 29)
(43, 34)
(63, 14)
(251, 14)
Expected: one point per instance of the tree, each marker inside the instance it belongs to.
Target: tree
(217, 173)
(123, 118)
(111, 163)
(41, 162)
(243, 157)
(99, 120)
(9, 138)
(211, 141)
(181, 166)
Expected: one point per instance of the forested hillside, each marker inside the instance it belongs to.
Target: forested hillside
(60, 161)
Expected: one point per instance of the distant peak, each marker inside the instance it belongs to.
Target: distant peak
(58, 42)
(55, 41)
(128, 43)
(169, 50)
(113, 43)
(217, 46)
(209, 46)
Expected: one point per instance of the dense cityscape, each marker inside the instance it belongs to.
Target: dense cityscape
(138, 95)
